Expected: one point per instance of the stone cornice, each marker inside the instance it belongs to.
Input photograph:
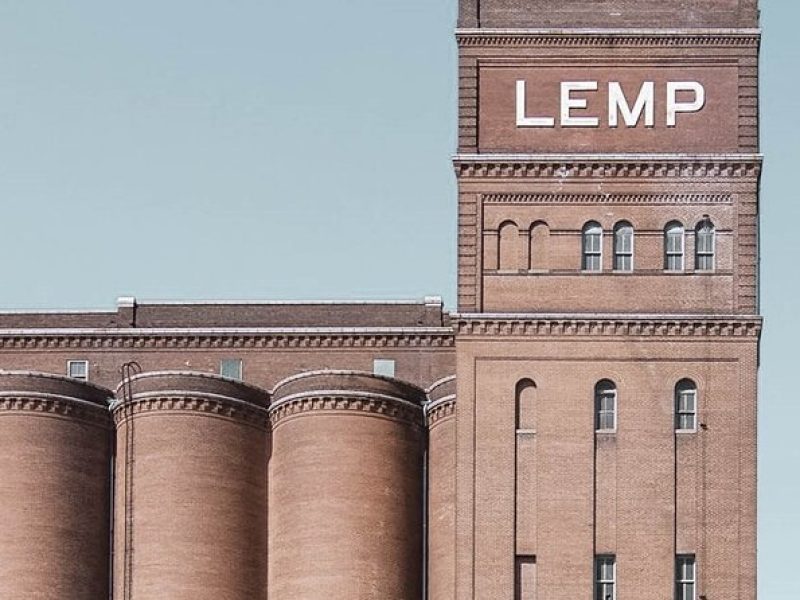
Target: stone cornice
(630, 166)
(202, 404)
(55, 406)
(607, 326)
(609, 198)
(678, 38)
(136, 339)
(440, 410)
(346, 402)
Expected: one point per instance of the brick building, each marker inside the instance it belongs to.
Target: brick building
(583, 426)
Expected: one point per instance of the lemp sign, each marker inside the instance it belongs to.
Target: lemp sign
(573, 99)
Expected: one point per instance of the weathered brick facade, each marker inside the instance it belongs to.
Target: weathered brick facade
(548, 313)
(592, 400)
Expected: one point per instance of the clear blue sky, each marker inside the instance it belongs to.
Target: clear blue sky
(283, 150)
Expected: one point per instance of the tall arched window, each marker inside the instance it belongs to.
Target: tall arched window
(623, 246)
(508, 251)
(605, 405)
(704, 246)
(525, 405)
(592, 259)
(539, 246)
(673, 246)
(686, 405)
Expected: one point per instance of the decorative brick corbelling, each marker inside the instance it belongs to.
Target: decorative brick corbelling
(135, 340)
(202, 404)
(743, 38)
(346, 402)
(562, 199)
(577, 167)
(55, 406)
(533, 326)
(440, 410)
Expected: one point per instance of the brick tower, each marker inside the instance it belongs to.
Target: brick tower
(608, 330)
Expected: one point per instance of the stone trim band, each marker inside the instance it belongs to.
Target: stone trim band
(203, 403)
(627, 166)
(609, 198)
(136, 340)
(55, 405)
(693, 327)
(739, 38)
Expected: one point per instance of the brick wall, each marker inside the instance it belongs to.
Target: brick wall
(608, 13)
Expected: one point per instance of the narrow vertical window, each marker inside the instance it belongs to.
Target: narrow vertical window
(592, 259)
(704, 246)
(78, 369)
(525, 405)
(623, 246)
(525, 578)
(686, 405)
(685, 577)
(605, 403)
(673, 246)
(605, 578)
(508, 250)
(231, 368)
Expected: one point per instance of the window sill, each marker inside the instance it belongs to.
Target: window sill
(685, 431)
(605, 431)
(526, 431)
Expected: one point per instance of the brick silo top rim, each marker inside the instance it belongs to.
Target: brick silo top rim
(193, 374)
(440, 382)
(320, 372)
(55, 377)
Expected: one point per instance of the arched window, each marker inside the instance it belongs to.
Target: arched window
(686, 405)
(704, 246)
(592, 259)
(508, 251)
(539, 246)
(623, 246)
(525, 405)
(605, 405)
(673, 246)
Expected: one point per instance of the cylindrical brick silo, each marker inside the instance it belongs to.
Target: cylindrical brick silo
(440, 413)
(190, 488)
(55, 465)
(346, 480)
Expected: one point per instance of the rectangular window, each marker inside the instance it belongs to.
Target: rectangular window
(686, 413)
(383, 366)
(78, 369)
(592, 262)
(623, 248)
(674, 262)
(231, 368)
(593, 251)
(623, 262)
(685, 577)
(525, 578)
(605, 569)
(705, 252)
(674, 250)
(606, 406)
(705, 262)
